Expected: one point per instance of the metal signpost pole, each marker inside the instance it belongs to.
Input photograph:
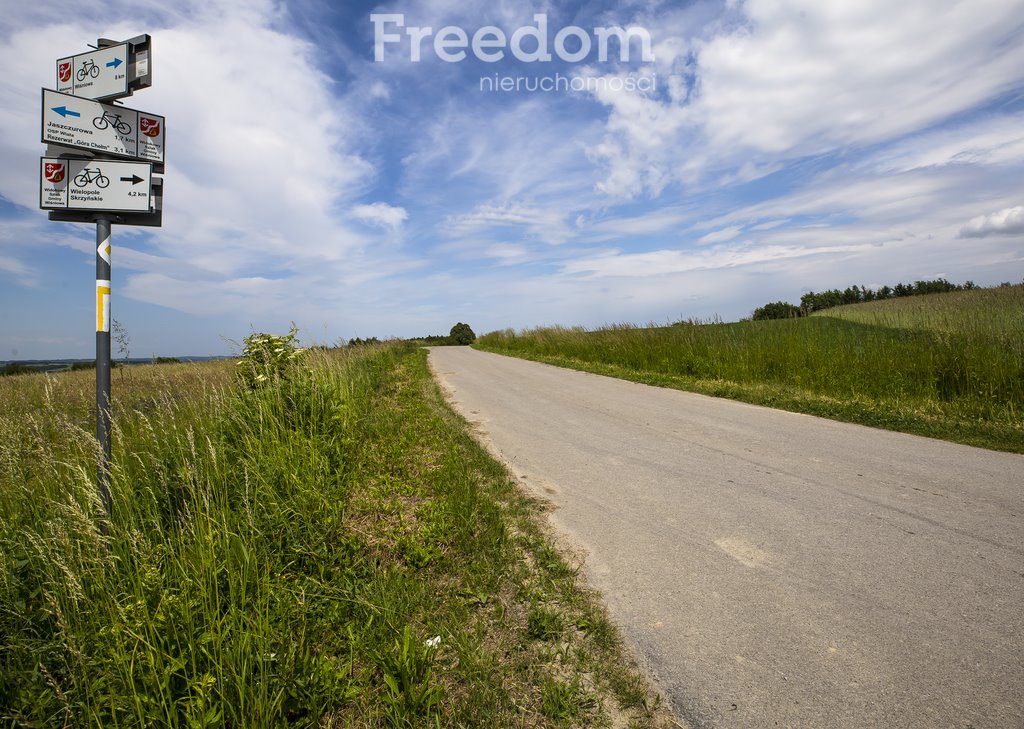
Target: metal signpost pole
(99, 165)
(103, 357)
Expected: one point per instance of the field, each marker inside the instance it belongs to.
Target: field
(947, 365)
(327, 547)
(993, 314)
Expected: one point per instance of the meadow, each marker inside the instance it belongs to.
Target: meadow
(321, 544)
(945, 365)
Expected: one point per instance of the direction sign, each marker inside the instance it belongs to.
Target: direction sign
(101, 74)
(102, 128)
(153, 219)
(93, 184)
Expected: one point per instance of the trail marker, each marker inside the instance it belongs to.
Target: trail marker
(82, 181)
(94, 184)
(102, 128)
(112, 71)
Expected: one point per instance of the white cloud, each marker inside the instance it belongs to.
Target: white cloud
(676, 261)
(720, 236)
(16, 268)
(507, 253)
(657, 221)
(261, 157)
(381, 215)
(768, 225)
(497, 149)
(1005, 222)
(802, 77)
(873, 132)
(547, 224)
(990, 140)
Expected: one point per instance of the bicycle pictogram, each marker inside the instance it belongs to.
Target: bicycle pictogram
(89, 68)
(112, 120)
(87, 177)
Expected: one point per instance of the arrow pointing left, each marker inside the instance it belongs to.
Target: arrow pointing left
(134, 179)
(65, 112)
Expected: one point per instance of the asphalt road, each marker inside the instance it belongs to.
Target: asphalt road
(774, 569)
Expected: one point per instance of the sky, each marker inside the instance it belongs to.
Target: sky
(388, 169)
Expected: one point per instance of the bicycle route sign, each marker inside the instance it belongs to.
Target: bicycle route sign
(100, 74)
(94, 184)
(100, 128)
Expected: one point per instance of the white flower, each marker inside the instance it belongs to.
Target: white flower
(433, 642)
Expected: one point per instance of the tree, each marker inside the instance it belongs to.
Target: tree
(16, 368)
(462, 334)
(776, 310)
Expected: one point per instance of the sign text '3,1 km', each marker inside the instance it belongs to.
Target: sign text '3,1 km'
(102, 128)
(82, 180)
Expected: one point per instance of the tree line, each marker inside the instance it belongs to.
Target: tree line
(814, 301)
(460, 334)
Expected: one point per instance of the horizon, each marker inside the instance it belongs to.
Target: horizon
(358, 177)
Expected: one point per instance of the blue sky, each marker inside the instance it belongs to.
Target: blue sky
(775, 146)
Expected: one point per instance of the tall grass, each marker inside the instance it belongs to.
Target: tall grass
(950, 374)
(994, 314)
(223, 534)
(330, 549)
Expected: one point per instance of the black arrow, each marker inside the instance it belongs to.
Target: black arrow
(134, 179)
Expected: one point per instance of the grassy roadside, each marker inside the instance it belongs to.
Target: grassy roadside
(932, 370)
(329, 550)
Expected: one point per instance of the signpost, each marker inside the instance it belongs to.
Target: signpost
(152, 218)
(92, 184)
(99, 167)
(112, 71)
(99, 74)
(105, 129)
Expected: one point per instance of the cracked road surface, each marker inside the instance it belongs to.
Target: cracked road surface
(773, 569)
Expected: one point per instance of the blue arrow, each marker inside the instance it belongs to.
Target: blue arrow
(115, 63)
(64, 111)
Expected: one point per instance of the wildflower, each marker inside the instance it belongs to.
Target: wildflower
(433, 642)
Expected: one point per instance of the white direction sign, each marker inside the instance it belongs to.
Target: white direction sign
(93, 184)
(102, 128)
(101, 74)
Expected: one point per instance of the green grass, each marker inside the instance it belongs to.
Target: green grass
(995, 314)
(948, 366)
(330, 550)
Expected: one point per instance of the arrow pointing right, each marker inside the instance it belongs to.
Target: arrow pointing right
(134, 179)
(64, 111)
(115, 63)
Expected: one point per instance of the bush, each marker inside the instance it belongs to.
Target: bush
(267, 358)
(15, 368)
(357, 342)
(462, 334)
(776, 310)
